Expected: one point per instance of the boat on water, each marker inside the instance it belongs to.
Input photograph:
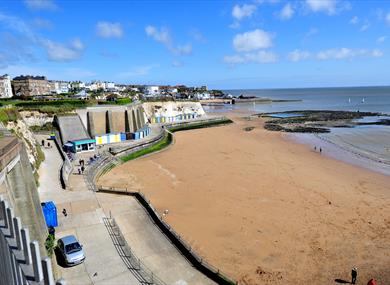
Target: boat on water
(363, 100)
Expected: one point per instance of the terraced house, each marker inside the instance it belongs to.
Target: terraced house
(30, 86)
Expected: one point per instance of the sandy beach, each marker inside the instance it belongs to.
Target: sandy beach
(267, 210)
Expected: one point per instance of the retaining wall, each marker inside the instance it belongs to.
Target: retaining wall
(20, 259)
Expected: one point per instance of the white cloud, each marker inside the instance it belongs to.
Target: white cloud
(254, 57)
(163, 36)
(61, 52)
(40, 4)
(326, 6)
(177, 63)
(287, 12)
(109, 30)
(183, 49)
(243, 11)
(197, 36)
(334, 54)
(388, 18)
(253, 40)
(354, 20)
(298, 55)
(137, 71)
(381, 39)
(346, 53)
(42, 24)
(365, 26)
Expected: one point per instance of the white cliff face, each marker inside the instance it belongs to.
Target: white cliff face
(172, 109)
(22, 131)
(33, 118)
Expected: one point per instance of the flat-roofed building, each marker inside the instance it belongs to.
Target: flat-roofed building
(30, 86)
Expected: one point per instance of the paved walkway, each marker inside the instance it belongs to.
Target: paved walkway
(85, 221)
(148, 243)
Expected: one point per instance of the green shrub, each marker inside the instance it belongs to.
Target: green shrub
(50, 245)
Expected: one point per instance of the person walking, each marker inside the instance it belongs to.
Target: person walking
(320, 150)
(79, 171)
(315, 148)
(82, 169)
(354, 275)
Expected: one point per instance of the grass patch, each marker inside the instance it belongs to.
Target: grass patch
(156, 147)
(53, 107)
(47, 127)
(8, 115)
(200, 125)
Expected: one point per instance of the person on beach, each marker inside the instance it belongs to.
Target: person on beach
(320, 150)
(371, 282)
(315, 148)
(354, 275)
(82, 169)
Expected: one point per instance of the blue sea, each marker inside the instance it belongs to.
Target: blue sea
(366, 146)
(370, 99)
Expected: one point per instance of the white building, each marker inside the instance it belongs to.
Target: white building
(92, 86)
(109, 86)
(59, 87)
(172, 90)
(5, 86)
(202, 96)
(77, 85)
(152, 91)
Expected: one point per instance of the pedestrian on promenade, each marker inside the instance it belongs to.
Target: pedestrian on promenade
(80, 162)
(79, 171)
(43, 142)
(82, 169)
(354, 275)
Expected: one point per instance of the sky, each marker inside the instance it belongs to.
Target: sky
(221, 44)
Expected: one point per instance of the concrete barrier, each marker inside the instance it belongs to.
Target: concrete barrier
(20, 260)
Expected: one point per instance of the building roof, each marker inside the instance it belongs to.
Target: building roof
(25, 77)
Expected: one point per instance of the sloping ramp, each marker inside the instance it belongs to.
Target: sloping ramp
(71, 128)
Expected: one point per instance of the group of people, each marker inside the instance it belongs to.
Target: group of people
(48, 144)
(320, 149)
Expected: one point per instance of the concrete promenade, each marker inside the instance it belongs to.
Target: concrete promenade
(85, 220)
(148, 242)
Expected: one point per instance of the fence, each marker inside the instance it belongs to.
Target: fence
(133, 263)
(186, 250)
(20, 259)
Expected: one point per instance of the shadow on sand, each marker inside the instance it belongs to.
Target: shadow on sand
(341, 281)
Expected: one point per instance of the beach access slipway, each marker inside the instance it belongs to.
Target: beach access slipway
(156, 144)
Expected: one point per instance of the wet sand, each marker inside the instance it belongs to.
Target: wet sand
(267, 210)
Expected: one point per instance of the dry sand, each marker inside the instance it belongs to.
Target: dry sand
(266, 210)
